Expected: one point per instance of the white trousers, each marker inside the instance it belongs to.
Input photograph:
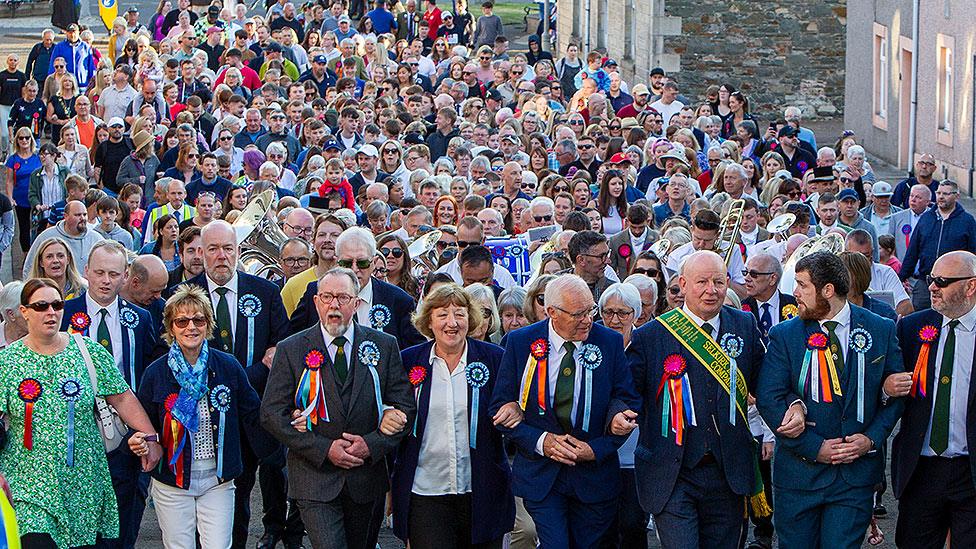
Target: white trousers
(207, 506)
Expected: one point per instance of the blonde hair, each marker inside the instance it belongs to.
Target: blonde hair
(73, 282)
(187, 296)
(448, 294)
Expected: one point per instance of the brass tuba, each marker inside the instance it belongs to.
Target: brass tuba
(423, 254)
(259, 238)
(831, 242)
(729, 235)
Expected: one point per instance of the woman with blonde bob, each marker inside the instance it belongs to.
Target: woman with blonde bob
(453, 374)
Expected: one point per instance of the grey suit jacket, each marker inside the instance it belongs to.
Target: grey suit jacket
(619, 263)
(311, 476)
(899, 220)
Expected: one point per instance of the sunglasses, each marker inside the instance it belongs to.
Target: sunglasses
(441, 244)
(540, 300)
(674, 290)
(648, 272)
(575, 122)
(184, 321)
(225, 138)
(395, 252)
(945, 281)
(561, 189)
(541, 218)
(754, 274)
(41, 306)
(462, 244)
(361, 264)
(846, 180)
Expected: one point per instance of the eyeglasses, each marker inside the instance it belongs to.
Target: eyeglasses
(648, 272)
(184, 321)
(361, 264)
(441, 244)
(299, 230)
(390, 151)
(542, 218)
(462, 244)
(343, 299)
(754, 273)
(945, 281)
(610, 313)
(41, 306)
(193, 155)
(581, 315)
(295, 261)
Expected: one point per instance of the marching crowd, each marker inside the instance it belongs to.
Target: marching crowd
(369, 258)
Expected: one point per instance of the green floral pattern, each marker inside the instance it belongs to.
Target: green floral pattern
(72, 504)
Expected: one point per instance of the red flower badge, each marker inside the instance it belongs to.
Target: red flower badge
(170, 402)
(417, 375)
(817, 340)
(746, 308)
(539, 348)
(314, 359)
(675, 366)
(80, 321)
(625, 250)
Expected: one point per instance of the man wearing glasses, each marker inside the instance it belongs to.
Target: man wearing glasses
(590, 254)
(947, 227)
(470, 232)
(295, 257)
(925, 168)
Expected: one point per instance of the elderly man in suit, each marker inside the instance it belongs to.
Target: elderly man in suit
(833, 358)
(769, 305)
(570, 377)
(931, 471)
(251, 321)
(127, 332)
(343, 375)
(408, 22)
(695, 475)
(382, 306)
(903, 222)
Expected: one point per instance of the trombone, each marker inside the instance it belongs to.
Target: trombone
(729, 235)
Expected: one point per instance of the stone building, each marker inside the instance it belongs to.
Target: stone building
(880, 69)
(784, 53)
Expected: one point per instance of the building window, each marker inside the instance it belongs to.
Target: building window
(881, 77)
(946, 84)
(602, 23)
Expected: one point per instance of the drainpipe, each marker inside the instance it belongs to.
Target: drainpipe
(544, 42)
(588, 2)
(913, 110)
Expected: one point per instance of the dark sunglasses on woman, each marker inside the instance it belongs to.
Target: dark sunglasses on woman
(41, 306)
(397, 252)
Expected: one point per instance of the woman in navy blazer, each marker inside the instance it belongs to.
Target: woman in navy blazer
(197, 380)
(475, 505)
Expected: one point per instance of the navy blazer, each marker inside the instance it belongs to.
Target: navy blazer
(491, 476)
(751, 305)
(270, 325)
(140, 347)
(657, 459)
(222, 369)
(397, 301)
(795, 464)
(907, 446)
(612, 392)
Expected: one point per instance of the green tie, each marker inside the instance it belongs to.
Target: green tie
(103, 336)
(835, 348)
(224, 336)
(566, 388)
(707, 328)
(939, 437)
(341, 366)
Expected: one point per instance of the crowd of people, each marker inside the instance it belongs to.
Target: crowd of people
(281, 249)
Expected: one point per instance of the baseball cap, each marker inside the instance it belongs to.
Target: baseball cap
(273, 47)
(278, 113)
(447, 15)
(785, 175)
(413, 138)
(72, 27)
(847, 194)
(619, 158)
(320, 59)
(493, 94)
(657, 71)
(368, 150)
(344, 19)
(132, 9)
(640, 89)
(881, 188)
(116, 121)
(511, 137)
(330, 143)
(610, 62)
(788, 131)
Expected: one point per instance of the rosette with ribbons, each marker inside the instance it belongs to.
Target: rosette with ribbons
(79, 323)
(928, 334)
(536, 364)
(29, 391)
(789, 311)
(379, 316)
(477, 375)
(250, 307)
(174, 440)
(369, 354)
(906, 230)
(129, 319)
(220, 400)
(732, 345)
(417, 375)
(590, 358)
(818, 374)
(70, 390)
(625, 251)
(861, 342)
(678, 406)
(310, 395)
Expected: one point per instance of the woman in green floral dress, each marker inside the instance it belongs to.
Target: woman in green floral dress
(54, 458)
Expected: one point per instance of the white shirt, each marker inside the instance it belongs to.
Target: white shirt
(111, 319)
(232, 297)
(637, 242)
(667, 111)
(556, 354)
(773, 308)
(885, 279)
(366, 297)
(842, 330)
(501, 276)
(678, 256)
(962, 370)
(715, 322)
(332, 348)
(444, 463)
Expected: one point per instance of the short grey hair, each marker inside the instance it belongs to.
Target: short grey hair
(276, 147)
(484, 294)
(354, 235)
(10, 298)
(512, 298)
(855, 150)
(625, 292)
(543, 201)
(643, 283)
(342, 271)
(482, 162)
(162, 184)
(269, 166)
(772, 263)
(826, 152)
(562, 286)
(737, 169)
(792, 112)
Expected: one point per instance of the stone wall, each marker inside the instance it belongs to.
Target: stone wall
(778, 54)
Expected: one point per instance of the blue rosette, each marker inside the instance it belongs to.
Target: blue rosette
(379, 316)
(732, 345)
(861, 342)
(369, 354)
(129, 319)
(70, 390)
(250, 306)
(476, 374)
(220, 401)
(590, 358)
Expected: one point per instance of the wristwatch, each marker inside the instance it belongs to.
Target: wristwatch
(152, 438)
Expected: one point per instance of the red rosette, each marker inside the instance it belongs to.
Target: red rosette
(675, 366)
(314, 359)
(417, 375)
(928, 333)
(746, 308)
(29, 390)
(817, 341)
(624, 250)
(170, 402)
(80, 321)
(539, 349)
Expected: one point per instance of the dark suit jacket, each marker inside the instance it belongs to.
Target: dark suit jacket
(612, 392)
(657, 459)
(751, 305)
(491, 476)
(400, 304)
(621, 262)
(311, 476)
(918, 410)
(401, 21)
(795, 463)
(270, 326)
(144, 336)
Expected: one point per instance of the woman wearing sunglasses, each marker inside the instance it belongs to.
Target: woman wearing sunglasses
(398, 264)
(203, 395)
(55, 459)
(649, 265)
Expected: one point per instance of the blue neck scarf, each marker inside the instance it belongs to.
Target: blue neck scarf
(193, 385)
